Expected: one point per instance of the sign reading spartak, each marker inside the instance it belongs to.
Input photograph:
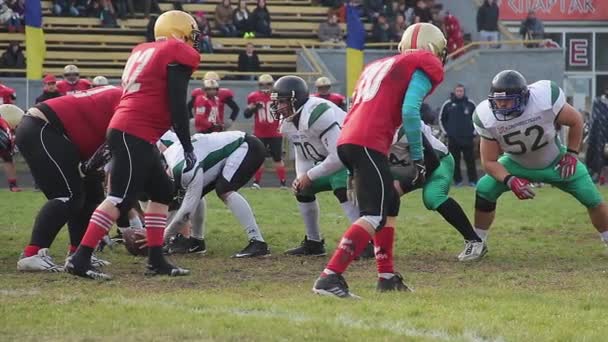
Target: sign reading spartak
(555, 10)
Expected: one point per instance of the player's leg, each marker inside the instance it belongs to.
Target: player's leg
(239, 168)
(11, 172)
(260, 171)
(53, 161)
(338, 182)
(276, 152)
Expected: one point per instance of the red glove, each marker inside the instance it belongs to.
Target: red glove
(567, 165)
(520, 187)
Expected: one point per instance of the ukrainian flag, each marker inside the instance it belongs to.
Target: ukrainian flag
(35, 48)
(355, 43)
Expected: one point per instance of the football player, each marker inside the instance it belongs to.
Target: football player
(388, 93)
(313, 126)
(227, 161)
(225, 98)
(323, 85)
(72, 82)
(100, 81)
(522, 121)
(440, 170)
(62, 141)
(266, 128)
(206, 114)
(10, 116)
(155, 82)
(7, 95)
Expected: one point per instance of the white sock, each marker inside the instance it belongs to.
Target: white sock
(328, 271)
(351, 211)
(135, 222)
(386, 275)
(310, 215)
(242, 211)
(482, 233)
(198, 220)
(604, 236)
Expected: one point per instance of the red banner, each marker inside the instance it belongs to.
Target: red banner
(555, 10)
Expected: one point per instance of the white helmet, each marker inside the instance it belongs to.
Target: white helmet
(71, 69)
(210, 84)
(424, 36)
(100, 81)
(11, 114)
(323, 82)
(211, 75)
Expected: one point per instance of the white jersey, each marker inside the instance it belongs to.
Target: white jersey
(399, 152)
(315, 138)
(167, 139)
(530, 139)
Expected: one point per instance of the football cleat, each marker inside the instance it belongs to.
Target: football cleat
(95, 261)
(85, 272)
(333, 285)
(473, 250)
(395, 283)
(255, 186)
(41, 262)
(283, 185)
(255, 248)
(180, 244)
(308, 247)
(165, 268)
(14, 188)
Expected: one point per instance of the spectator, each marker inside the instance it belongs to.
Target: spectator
(381, 31)
(150, 28)
(223, 19)
(399, 26)
(532, 28)
(373, 9)
(12, 58)
(249, 61)
(422, 13)
(456, 120)
(330, 31)
(597, 152)
(65, 7)
(487, 21)
(107, 14)
(205, 38)
(260, 20)
(15, 24)
(453, 33)
(393, 10)
(49, 89)
(124, 8)
(91, 9)
(240, 18)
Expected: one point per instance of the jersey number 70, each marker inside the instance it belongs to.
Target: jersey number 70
(370, 80)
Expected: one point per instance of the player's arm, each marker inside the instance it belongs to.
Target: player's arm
(178, 76)
(570, 117)
(190, 202)
(329, 138)
(420, 86)
(233, 107)
(490, 151)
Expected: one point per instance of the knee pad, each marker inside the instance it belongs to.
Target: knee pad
(376, 221)
(484, 205)
(306, 198)
(341, 195)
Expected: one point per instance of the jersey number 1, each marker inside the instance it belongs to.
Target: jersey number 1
(136, 63)
(370, 80)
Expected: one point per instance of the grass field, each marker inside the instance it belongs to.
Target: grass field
(544, 279)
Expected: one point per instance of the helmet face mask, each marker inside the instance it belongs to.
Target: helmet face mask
(282, 107)
(508, 95)
(265, 87)
(323, 90)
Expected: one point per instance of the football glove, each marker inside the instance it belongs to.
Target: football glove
(99, 159)
(420, 176)
(520, 187)
(567, 165)
(190, 158)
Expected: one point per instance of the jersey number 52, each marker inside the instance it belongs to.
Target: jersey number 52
(136, 63)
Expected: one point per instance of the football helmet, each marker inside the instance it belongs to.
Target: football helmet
(100, 81)
(265, 82)
(424, 36)
(177, 25)
(508, 85)
(211, 87)
(71, 73)
(288, 95)
(11, 114)
(211, 75)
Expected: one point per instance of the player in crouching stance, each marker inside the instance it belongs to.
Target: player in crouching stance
(227, 161)
(520, 120)
(440, 171)
(313, 125)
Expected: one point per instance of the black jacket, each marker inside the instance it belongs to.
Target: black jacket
(249, 63)
(456, 119)
(47, 95)
(487, 17)
(260, 21)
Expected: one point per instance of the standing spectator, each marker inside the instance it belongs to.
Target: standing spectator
(393, 10)
(7, 95)
(453, 33)
(398, 27)
(373, 9)
(72, 82)
(12, 58)
(15, 22)
(150, 28)
(457, 123)
(124, 8)
(487, 21)
(597, 152)
(381, 31)
(107, 14)
(422, 13)
(205, 45)
(223, 19)
(532, 28)
(260, 20)
(240, 18)
(249, 61)
(49, 89)
(330, 30)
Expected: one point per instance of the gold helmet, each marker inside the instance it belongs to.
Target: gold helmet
(211, 75)
(177, 25)
(323, 82)
(210, 84)
(265, 82)
(11, 114)
(424, 36)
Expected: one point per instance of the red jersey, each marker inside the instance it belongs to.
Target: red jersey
(336, 98)
(264, 126)
(7, 94)
(85, 116)
(144, 107)
(65, 88)
(5, 127)
(378, 98)
(206, 114)
(223, 95)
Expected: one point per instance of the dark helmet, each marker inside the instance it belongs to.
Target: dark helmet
(5, 141)
(508, 85)
(291, 90)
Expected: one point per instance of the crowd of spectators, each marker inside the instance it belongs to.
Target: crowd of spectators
(11, 14)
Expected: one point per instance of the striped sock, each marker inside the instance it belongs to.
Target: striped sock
(99, 226)
(155, 228)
